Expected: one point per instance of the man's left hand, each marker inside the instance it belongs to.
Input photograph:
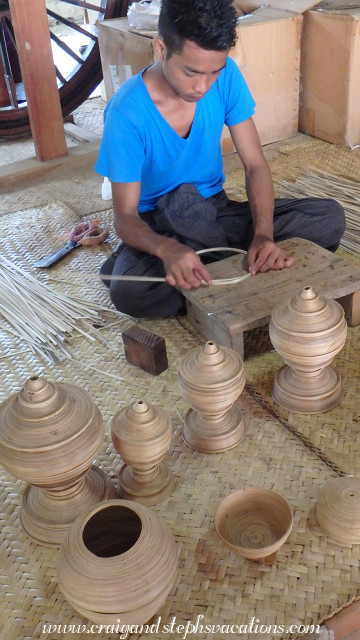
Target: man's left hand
(264, 255)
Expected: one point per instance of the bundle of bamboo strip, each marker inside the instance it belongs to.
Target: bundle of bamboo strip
(319, 183)
(43, 319)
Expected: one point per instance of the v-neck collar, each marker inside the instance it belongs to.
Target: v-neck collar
(159, 115)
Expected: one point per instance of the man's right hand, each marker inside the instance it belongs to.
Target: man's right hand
(183, 266)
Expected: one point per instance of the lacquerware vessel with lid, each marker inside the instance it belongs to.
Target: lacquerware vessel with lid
(308, 331)
(338, 509)
(211, 378)
(141, 433)
(50, 433)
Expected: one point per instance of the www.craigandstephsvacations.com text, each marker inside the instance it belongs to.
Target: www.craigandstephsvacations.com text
(183, 629)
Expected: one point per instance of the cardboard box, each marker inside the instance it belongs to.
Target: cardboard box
(123, 53)
(267, 52)
(330, 76)
(296, 6)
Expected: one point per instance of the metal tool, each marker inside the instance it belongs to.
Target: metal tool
(54, 257)
(83, 234)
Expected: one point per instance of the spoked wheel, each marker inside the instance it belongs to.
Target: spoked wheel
(76, 57)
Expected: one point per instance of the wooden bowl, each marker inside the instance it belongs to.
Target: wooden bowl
(254, 522)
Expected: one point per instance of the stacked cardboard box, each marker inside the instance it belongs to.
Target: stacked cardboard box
(267, 52)
(123, 52)
(330, 76)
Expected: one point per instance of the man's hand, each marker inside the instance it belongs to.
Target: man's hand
(264, 255)
(183, 266)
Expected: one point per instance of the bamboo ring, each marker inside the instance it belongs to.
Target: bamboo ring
(233, 280)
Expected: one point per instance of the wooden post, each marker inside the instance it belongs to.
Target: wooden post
(32, 37)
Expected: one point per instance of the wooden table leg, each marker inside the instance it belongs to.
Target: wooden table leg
(212, 329)
(351, 306)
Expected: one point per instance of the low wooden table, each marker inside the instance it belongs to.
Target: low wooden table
(238, 315)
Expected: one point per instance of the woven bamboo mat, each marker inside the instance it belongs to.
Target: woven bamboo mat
(79, 187)
(313, 577)
(334, 434)
(301, 152)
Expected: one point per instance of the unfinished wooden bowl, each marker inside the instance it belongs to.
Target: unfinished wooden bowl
(50, 433)
(254, 522)
(211, 379)
(338, 510)
(118, 561)
(308, 331)
(141, 433)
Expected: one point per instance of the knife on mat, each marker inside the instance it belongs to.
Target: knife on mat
(57, 255)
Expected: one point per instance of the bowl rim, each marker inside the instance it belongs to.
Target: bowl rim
(260, 552)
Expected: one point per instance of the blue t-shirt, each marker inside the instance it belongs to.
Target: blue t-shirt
(139, 144)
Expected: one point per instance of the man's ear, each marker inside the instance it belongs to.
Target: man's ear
(159, 48)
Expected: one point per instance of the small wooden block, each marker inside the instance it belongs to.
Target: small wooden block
(145, 349)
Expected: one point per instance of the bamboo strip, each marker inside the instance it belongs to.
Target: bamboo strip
(43, 319)
(219, 281)
(105, 373)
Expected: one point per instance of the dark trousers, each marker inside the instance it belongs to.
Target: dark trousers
(320, 220)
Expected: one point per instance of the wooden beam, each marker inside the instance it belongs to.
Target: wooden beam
(32, 37)
(79, 133)
(24, 170)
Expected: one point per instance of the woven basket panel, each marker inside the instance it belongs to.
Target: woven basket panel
(313, 576)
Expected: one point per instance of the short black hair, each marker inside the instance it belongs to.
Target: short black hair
(211, 24)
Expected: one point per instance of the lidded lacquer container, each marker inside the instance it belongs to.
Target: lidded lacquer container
(338, 509)
(141, 433)
(308, 331)
(50, 433)
(211, 378)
